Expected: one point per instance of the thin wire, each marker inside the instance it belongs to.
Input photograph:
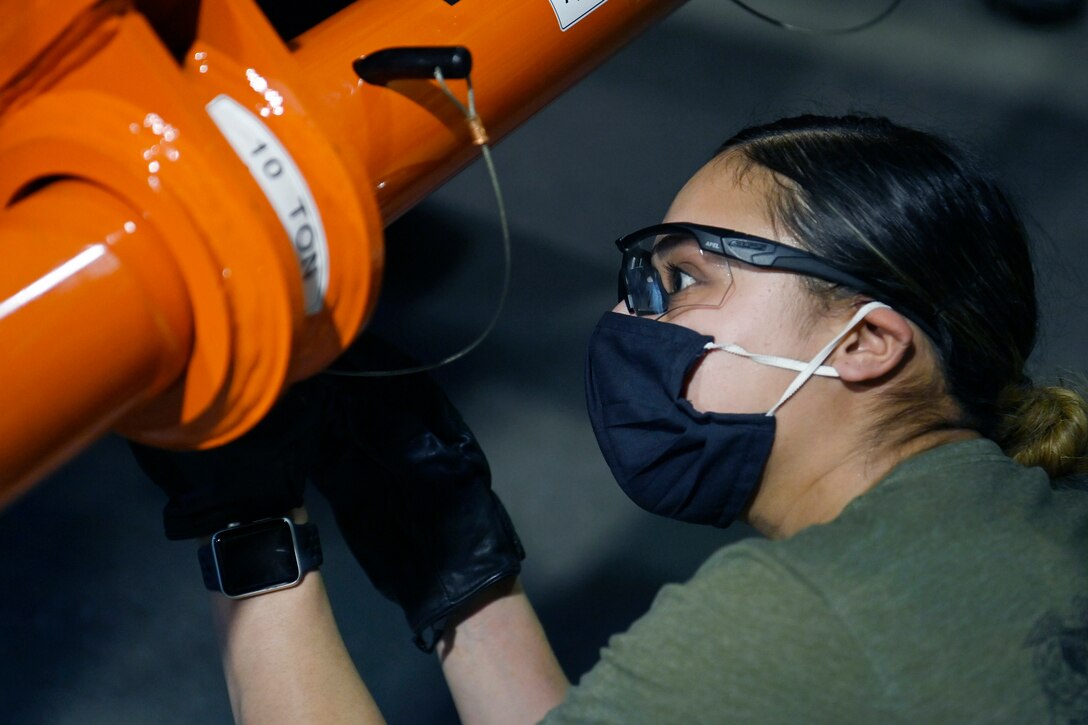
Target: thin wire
(821, 31)
(480, 139)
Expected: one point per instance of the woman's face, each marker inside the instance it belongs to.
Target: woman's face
(763, 311)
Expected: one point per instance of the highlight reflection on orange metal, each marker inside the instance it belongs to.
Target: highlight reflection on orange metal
(99, 274)
(166, 273)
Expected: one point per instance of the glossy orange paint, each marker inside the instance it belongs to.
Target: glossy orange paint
(33, 29)
(225, 321)
(271, 84)
(406, 136)
(98, 307)
(126, 120)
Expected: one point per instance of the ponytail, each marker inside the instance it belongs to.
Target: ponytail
(1046, 427)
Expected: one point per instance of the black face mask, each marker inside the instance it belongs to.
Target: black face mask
(667, 457)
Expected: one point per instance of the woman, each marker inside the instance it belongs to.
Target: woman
(826, 339)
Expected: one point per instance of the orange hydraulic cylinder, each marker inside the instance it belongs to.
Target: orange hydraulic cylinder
(92, 284)
(185, 331)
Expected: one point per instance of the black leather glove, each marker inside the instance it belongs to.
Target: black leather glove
(259, 475)
(411, 491)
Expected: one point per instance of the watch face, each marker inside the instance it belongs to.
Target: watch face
(255, 557)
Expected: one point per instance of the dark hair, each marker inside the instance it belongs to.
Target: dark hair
(912, 214)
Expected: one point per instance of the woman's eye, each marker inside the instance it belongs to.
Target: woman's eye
(679, 280)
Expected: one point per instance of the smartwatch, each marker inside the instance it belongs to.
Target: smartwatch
(244, 560)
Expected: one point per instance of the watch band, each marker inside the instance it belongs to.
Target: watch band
(207, 568)
(310, 557)
(307, 549)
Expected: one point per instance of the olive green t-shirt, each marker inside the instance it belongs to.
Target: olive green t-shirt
(954, 591)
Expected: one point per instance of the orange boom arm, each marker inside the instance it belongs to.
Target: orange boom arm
(191, 209)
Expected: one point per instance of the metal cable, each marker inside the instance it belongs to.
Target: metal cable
(480, 138)
(879, 17)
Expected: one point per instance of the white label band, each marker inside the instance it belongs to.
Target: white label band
(285, 188)
(570, 12)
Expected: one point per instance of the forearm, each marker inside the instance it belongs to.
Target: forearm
(498, 663)
(285, 661)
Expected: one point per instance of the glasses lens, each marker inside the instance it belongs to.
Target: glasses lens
(664, 274)
(641, 285)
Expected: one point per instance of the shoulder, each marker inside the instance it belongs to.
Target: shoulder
(961, 502)
(956, 552)
(952, 535)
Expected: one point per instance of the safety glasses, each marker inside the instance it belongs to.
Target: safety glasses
(671, 266)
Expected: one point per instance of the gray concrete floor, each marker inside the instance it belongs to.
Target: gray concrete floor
(104, 621)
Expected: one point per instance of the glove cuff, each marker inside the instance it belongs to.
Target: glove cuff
(427, 633)
(497, 556)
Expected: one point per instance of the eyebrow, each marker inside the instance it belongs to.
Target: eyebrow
(671, 241)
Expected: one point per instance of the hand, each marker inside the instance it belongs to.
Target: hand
(259, 475)
(411, 490)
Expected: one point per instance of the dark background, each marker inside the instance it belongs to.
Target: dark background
(104, 621)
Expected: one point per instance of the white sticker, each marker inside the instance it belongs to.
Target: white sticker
(570, 12)
(285, 188)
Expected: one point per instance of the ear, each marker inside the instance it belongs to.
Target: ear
(875, 348)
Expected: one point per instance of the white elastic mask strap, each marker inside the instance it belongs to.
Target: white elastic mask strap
(774, 361)
(813, 365)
